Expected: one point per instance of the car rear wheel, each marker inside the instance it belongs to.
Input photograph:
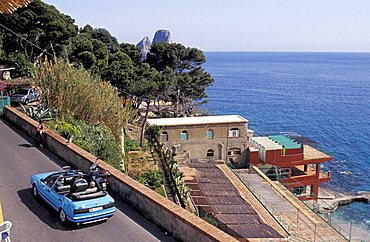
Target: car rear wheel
(35, 193)
(62, 216)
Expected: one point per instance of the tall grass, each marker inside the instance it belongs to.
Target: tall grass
(75, 92)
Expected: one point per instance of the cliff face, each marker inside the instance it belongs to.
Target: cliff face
(159, 36)
(144, 45)
(162, 36)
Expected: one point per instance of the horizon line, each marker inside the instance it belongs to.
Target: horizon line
(295, 51)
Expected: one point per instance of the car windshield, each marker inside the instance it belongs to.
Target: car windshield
(22, 91)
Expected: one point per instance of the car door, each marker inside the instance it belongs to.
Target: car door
(55, 198)
(45, 189)
(32, 94)
(29, 95)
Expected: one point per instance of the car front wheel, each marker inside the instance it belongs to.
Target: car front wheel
(35, 193)
(62, 216)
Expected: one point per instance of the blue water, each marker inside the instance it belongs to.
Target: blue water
(324, 96)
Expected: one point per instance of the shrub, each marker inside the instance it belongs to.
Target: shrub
(132, 145)
(96, 139)
(151, 179)
(75, 92)
(23, 67)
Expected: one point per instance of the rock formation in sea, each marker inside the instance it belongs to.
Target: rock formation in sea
(144, 45)
(161, 35)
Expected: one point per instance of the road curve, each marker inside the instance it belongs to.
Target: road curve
(33, 220)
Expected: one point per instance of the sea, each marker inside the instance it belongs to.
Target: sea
(322, 96)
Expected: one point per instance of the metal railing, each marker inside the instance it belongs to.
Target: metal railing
(294, 220)
(344, 228)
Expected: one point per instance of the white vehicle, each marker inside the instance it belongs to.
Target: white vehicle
(25, 96)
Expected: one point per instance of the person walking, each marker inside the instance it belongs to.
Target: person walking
(39, 133)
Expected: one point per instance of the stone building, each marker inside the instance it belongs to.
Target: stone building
(207, 137)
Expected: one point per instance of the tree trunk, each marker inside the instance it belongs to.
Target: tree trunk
(144, 123)
(175, 112)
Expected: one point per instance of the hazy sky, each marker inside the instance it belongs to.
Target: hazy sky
(233, 25)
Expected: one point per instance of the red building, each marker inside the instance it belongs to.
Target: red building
(295, 165)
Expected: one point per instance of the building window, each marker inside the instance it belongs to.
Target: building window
(234, 151)
(234, 132)
(210, 153)
(164, 136)
(210, 134)
(184, 135)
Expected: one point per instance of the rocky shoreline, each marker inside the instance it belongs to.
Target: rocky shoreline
(329, 199)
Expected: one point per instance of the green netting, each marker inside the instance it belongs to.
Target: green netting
(285, 141)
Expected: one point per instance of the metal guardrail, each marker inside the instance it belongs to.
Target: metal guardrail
(291, 226)
(345, 228)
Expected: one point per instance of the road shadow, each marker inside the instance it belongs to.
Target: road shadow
(46, 213)
(32, 143)
(143, 221)
(41, 209)
(26, 145)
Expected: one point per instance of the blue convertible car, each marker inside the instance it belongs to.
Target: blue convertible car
(74, 196)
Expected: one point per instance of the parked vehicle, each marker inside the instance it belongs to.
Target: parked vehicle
(73, 197)
(25, 96)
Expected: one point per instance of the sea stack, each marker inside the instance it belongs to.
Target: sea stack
(162, 36)
(144, 45)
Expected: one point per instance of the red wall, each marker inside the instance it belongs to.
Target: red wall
(294, 151)
(253, 157)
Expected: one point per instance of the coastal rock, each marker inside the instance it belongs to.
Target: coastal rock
(162, 35)
(144, 45)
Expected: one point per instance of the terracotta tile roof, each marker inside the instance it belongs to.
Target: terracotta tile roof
(9, 6)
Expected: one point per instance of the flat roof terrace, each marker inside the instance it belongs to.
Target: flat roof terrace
(285, 141)
(310, 153)
(221, 119)
(267, 143)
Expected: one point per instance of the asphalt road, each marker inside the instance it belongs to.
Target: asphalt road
(34, 220)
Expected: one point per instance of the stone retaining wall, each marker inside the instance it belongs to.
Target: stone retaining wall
(180, 222)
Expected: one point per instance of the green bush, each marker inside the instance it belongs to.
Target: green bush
(23, 67)
(132, 145)
(151, 179)
(96, 139)
(68, 130)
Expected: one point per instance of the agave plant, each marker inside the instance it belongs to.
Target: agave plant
(40, 112)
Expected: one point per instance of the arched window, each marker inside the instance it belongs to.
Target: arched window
(184, 135)
(234, 132)
(234, 151)
(164, 136)
(210, 134)
(210, 153)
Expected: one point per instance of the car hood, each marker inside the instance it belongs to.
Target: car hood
(17, 96)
